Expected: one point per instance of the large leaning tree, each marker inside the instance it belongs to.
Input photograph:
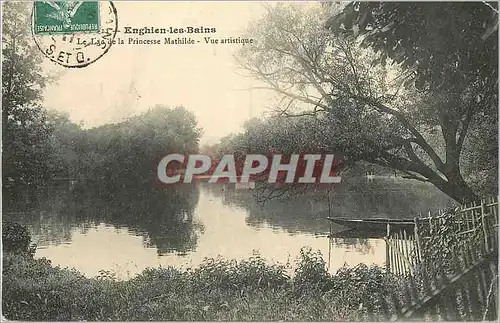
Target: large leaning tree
(371, 104)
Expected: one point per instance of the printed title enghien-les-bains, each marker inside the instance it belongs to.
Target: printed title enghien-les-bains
(170, 30)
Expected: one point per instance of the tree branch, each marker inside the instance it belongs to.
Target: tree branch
(419, 139)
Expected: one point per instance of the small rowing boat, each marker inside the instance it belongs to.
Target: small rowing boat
(376, 224)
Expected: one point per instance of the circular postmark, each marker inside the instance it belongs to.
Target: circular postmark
(74, 33)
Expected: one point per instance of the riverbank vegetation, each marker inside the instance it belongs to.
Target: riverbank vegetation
(218, 289)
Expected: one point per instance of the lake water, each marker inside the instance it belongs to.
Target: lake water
(125, 233)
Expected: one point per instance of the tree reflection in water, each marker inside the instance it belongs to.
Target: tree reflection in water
(163, 217)
(361, 245)
(353, 198)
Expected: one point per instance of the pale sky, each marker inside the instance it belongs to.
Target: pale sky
(131, 78)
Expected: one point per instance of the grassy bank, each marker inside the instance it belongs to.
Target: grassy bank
(217, 290)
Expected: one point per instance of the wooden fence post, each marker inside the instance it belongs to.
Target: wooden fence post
(417, 238)
(387, 256)
(483, 224)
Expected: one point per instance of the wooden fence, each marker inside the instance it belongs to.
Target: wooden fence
(404, 250)
(448, 267)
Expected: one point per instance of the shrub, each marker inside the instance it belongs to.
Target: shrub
(16, 238)
(311, 274)
(364, 288)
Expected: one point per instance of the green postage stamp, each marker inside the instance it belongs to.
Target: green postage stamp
(74, 33)
(66, 17)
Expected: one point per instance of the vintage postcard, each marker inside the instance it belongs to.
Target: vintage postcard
(249, 161)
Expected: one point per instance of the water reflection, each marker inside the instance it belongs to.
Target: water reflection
(164, 218)
(361, 245)
(92, 229)
(354, 198)
(294, 216)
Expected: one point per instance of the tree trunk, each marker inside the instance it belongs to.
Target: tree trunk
(457, 189)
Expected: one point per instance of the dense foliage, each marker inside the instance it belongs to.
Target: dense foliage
(445, 45)
(124, 155)
(16, 239)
